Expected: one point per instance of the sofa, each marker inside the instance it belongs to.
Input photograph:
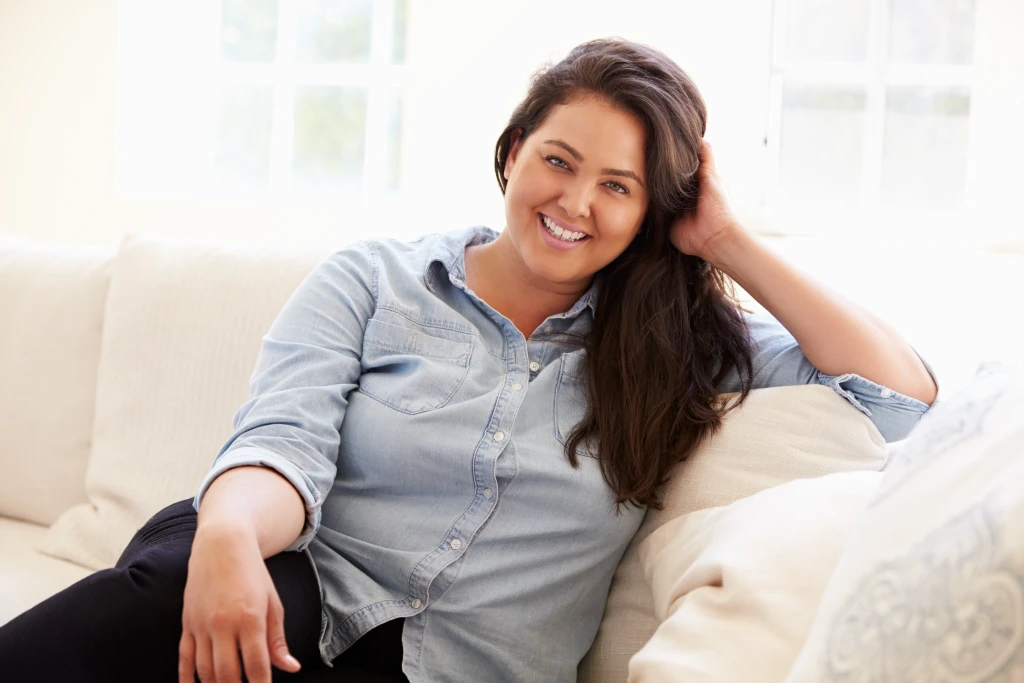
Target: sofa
(121, 368)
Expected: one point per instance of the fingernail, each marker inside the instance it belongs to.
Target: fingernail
(291, 660)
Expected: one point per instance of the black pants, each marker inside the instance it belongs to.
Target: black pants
(124, 624)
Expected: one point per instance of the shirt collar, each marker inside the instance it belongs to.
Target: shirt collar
(449, 251)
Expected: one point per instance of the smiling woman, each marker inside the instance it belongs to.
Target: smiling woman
(606, 147)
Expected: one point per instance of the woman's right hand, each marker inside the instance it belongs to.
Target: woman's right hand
(231, 605)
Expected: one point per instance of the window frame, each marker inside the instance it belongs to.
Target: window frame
(205, 74)
(874, 76)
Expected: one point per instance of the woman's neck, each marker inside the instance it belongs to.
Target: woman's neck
(496, 273)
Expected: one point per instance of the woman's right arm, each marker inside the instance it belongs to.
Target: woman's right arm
(230, 601)
(264, 493)
(256, 502)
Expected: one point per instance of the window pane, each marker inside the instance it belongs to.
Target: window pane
(334, 30)
(398, 44)
(821, 145)
(826, 31)
(243, 135)
(248, 30)
(932, 31)
(330, 135)
(394, 140)
(925, 159)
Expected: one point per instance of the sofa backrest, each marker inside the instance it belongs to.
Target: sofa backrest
(182, 331)
(51, 318)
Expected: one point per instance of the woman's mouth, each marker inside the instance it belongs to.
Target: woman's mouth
(559, 238)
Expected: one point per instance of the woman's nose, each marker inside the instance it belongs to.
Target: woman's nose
(575, 200)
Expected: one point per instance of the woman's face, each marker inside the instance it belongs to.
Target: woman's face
(581, 174)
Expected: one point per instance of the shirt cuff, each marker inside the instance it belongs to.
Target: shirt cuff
(893, 413)
(248, 456)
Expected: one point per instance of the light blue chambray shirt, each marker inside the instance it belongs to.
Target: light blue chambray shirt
(425, 435)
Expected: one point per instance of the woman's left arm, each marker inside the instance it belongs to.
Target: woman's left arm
(837, 335)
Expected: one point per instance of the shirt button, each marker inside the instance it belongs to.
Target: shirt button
(886, 393)
(548, 330)
(499, 436)
(456, 544)
(416, 604)
(517, 386)
(487, 493)
(534, 366)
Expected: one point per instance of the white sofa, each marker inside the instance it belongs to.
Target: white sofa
(120, 370)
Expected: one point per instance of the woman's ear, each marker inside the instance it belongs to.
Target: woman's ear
(513, 152)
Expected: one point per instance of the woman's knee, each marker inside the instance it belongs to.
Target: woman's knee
(175, 524)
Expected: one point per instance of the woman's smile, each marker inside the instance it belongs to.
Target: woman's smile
(558, 237)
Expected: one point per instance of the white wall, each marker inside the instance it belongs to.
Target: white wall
(58, 85)
(57, 93)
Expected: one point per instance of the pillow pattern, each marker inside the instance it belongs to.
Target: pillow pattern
(931, 584)
(779, 434)
(736, 587)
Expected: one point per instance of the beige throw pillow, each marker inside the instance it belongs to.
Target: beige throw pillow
(51, 319)
(777, 435)
(736, 587)
(183, 329)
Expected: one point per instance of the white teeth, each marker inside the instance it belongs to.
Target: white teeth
(561, 234)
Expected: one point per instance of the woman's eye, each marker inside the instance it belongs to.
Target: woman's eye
(559, 163)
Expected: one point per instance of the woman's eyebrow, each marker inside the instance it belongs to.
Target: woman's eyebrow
(579, 157)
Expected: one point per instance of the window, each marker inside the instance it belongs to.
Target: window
(870, 104)
(262, 98)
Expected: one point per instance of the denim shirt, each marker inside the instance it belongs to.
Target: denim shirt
(426, 436)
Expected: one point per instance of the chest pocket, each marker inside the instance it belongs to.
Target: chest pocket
(571, 400)
(412, 371)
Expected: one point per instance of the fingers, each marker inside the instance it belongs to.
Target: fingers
(217, 661)
(255, 657)
(204, 660)
(707, 157)
(226, 666)
(275, 642)
(186, 658)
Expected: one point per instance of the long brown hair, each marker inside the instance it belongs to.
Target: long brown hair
(668, 327)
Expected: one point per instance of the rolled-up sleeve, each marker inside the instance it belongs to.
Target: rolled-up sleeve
(779, 361)
(308, 363)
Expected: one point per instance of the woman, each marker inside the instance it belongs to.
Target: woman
(461, 434)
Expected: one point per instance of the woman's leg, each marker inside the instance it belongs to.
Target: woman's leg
(125, 623)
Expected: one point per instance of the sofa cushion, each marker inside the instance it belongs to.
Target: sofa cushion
(28, 577)
(746, 578)
(183, 327)
(779, 434)
(930, 586)
(51, 313)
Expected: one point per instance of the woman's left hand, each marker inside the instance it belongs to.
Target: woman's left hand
(698, 233)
